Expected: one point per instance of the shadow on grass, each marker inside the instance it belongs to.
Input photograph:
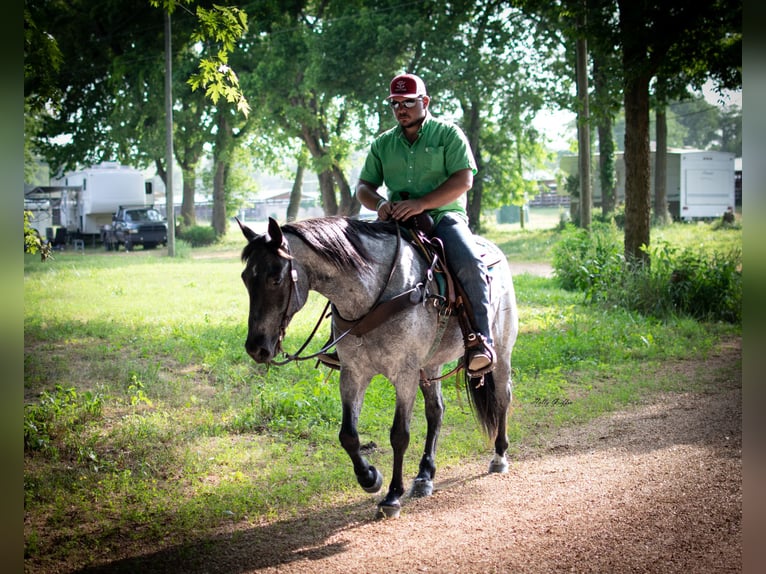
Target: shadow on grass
(247, 549)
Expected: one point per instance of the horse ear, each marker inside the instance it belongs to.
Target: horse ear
(277, 240)
(246, 231)
(275, 234)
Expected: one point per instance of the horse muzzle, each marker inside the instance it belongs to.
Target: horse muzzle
(261, 351)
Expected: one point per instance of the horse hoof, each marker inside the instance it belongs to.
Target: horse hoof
(377, 483)
(422, 487)
(499, 465)
(388, 511)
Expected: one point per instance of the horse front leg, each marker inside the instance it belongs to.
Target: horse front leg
(434, 407)
(391, 505)
(368, 477)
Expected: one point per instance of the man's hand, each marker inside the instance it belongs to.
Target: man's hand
(385, 211)
(405, 209)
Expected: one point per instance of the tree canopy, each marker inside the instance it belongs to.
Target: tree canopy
(283, 78)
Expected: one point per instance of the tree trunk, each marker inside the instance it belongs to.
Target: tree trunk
(313, 140)
(606, 166)
(219, 197)
(327, 191)
(520, 167)
(633, 37)
(160, 167)
(583, 129)
(661, 213)
(295, 194)
(472, 129)
(188, 215)
(349, 205)
(606, 172)
(224, 140)
(637, 190)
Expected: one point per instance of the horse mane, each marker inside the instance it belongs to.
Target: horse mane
(338, 240)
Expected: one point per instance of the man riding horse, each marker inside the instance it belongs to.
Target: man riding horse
(427, 166)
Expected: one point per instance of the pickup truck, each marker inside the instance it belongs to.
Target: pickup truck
(133, 226)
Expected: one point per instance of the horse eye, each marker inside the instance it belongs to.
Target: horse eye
(277, 275)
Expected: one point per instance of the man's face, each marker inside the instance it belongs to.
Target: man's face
(409, 116)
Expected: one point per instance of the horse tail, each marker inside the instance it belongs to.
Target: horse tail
(481, 396)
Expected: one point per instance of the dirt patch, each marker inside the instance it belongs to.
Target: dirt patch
(656, 488)
(531, 268)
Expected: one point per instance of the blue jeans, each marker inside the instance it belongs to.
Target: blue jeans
(467, 266)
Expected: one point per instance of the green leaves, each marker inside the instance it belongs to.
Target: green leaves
(218, 32)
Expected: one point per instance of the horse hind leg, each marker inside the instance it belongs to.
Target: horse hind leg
(423, 485)
(499, 462)
(490, 405)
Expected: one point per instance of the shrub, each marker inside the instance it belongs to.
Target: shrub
(705, 286)
(197, 235)
(585, 260)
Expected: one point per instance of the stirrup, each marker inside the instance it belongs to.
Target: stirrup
(480, 356)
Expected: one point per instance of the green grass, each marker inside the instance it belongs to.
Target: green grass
(145, 419)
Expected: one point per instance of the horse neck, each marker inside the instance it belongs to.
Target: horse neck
(353, 293)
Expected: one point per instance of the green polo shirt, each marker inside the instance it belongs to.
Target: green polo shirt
(440, 150)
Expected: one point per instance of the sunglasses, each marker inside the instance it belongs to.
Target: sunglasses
(406, 103)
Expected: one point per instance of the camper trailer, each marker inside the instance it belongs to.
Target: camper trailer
(90, 197)
(706, 184)
(699, 184)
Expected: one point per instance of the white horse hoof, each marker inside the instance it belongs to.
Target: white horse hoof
(388, 511)
(499, 465)
(422, 487)
(377, 484)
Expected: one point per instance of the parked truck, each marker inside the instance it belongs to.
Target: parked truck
(135, 225)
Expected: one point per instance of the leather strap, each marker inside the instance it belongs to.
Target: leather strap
(381, 313)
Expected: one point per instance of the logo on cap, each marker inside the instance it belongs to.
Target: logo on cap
(401, 86)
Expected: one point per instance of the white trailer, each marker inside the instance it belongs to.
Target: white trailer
(699, 184)
(91, 196)
(706, 184)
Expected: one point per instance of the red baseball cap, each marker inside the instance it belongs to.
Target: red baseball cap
(407, 86)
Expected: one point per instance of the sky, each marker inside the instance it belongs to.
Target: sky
(559, 126)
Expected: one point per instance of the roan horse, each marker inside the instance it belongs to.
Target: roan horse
(356, 264)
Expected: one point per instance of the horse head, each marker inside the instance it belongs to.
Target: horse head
(271, 283)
